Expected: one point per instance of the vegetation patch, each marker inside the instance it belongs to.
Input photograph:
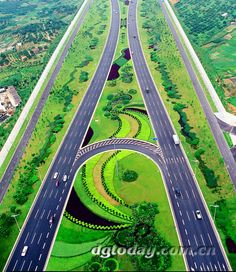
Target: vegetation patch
(118, 63)
(129, 175)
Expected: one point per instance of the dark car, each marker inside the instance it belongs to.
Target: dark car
(177, 191)
(147, 90)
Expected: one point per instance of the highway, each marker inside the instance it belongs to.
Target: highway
(37, 233)
(193, 232)
(6, 178)
(212, 121)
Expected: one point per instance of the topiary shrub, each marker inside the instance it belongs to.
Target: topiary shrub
(129, 175)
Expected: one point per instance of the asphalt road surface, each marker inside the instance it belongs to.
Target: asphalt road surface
(194, 233)
(5, 181)
(37, 233)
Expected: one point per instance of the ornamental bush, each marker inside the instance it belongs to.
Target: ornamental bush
(129, 175)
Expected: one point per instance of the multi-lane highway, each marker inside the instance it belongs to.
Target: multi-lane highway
(37, 233)
(193, 232)
(6, 178)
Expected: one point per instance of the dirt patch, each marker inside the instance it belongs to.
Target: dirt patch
(230, 88)
(173, 2)
(215, 55)
(232, 108)
(98, 181)
(133, 126)
(228, 37)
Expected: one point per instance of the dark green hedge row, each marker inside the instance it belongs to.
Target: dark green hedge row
(115, 197)
(100, 203)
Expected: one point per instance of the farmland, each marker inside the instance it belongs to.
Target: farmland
(29, 33)
(211, 28)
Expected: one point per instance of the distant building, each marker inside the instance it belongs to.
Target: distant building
(13, 96)
(2, 108)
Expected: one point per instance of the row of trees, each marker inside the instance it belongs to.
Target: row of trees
(29, 176)
(107, 189)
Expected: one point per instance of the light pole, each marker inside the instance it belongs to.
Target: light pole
(14, 216)
(195, 168)
(215, 206)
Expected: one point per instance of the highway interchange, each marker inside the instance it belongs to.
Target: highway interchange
(39, 235)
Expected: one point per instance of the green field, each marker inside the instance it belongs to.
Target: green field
(223, 194)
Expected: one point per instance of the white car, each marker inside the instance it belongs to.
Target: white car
(198, 214)
(65, 178)
(55, 175)
(24, 251)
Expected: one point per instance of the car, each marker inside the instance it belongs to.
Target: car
(51, 219)
(57, 183)
(134, 37)
(65, 178)
(147, 90)
(55, 175)
(24, 251)
(198, 214)
(132, 52)
(177, 191)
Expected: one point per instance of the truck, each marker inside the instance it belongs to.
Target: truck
(176, 139)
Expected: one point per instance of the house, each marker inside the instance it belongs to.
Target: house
(13, 96)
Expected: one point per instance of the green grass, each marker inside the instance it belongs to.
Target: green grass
(148, 187)
(65, 264)
(67, 250)
(232, 100)
(52, 108)
(214, 44)
(228, 139)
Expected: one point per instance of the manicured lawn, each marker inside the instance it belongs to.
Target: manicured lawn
(148, 187)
